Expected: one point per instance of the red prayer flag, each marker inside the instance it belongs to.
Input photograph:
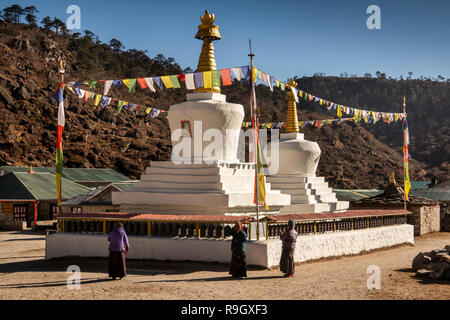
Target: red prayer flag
(142, 83)
(264, 77)
(226, 77)
(181, 77)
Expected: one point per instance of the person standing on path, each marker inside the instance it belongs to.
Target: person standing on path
(238, 268)
(118, 248)
(289, 239)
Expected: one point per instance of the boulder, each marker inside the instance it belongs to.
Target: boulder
(446, 275)
(437, 274)
(6, 97)
(445, 257)
(421, 261)
(447, 247)
(423, 273)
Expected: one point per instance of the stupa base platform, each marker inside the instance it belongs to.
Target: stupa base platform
(259, 253)
(219, 188)
(207, 238)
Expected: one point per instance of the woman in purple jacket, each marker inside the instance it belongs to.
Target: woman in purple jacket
(118, 248)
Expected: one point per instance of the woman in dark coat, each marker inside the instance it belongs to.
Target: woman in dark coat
(238, 268)
(289, 239)
(118, 248)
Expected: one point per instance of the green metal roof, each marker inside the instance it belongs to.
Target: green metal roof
(356, 194)
(37, 186)
(124, 186)
(420, 185)
(78, 174)
(437, 194)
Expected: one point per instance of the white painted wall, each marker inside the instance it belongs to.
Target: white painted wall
(263, 253)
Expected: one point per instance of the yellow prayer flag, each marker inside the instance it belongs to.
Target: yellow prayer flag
(255, 72)
(167, 82)
(98, 97)
(339, 112)
(148, 110)
(300, 93)
(278, 83)
(207, 79)
(126, 82)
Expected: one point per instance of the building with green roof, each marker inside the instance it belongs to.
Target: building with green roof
(24, 193)
(90, 177)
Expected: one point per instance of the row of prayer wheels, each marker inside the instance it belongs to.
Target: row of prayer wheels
(344, 224)
(158, 229)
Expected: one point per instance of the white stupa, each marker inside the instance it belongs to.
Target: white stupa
(298, 161)
(201, 179)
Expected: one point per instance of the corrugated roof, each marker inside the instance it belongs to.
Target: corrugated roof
(124, 186)
(392, 195)
(438, 194)
(356, 194)
(89, 195)
(42, 186)
(11, 188)
(334, 215)
(161, 217)
(420, 185)
(78, 174)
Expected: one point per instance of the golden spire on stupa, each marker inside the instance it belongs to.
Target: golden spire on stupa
(291, 118)
(208, 33)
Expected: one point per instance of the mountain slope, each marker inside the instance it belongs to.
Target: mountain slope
(351, 156)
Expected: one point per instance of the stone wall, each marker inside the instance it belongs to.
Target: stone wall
(259, 253)
(426, 219)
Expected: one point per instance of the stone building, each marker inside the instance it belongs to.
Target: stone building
(425, 213)
(26, 196)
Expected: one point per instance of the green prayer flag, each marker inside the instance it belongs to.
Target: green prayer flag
(175, 82)
(216, 78)
(132, 87)
(92, 85)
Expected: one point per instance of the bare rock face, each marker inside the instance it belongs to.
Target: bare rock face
(434, 265)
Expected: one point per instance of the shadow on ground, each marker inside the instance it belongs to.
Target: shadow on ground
(100, 265)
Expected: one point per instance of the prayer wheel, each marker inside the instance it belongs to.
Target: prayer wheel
(161, 229)
(128, 227)
(175, 229)
(142, 228)
(168, 230)
(79, 225)
(183, 230)
(211, 229)
(227, 231)
(202, 230)
(155, 227)
(219, 231)
(135, 227)
(191, 230)
(98, 227)
(91, 226)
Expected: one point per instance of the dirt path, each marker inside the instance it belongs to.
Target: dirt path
(24, 274)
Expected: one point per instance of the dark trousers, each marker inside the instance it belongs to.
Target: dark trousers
(117, 266)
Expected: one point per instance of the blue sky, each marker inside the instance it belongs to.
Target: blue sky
(289, 38)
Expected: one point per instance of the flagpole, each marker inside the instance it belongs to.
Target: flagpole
(404, 155)
(61, 71)
(255, 137)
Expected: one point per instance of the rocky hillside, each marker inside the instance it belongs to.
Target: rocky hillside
(351, 156)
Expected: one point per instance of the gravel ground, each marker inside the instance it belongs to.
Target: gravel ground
(25, 274)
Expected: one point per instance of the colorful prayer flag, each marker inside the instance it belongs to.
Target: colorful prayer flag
(226, 77)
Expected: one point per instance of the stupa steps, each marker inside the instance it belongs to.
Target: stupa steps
(315, 207)
(296, 191)
(240, 185)
(216, 164)
(290, 179)
(223, 171)
(193, 199)
(313, 198)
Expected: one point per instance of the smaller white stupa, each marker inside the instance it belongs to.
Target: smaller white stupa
(298, 161)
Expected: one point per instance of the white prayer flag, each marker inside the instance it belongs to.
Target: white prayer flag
(150, 84)
(237, 73)
(295, 93)
(108, 84)
(270, 82)
(190, 84)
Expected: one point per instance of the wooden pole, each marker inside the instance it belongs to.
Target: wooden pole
(255, 136)
(404, 155)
